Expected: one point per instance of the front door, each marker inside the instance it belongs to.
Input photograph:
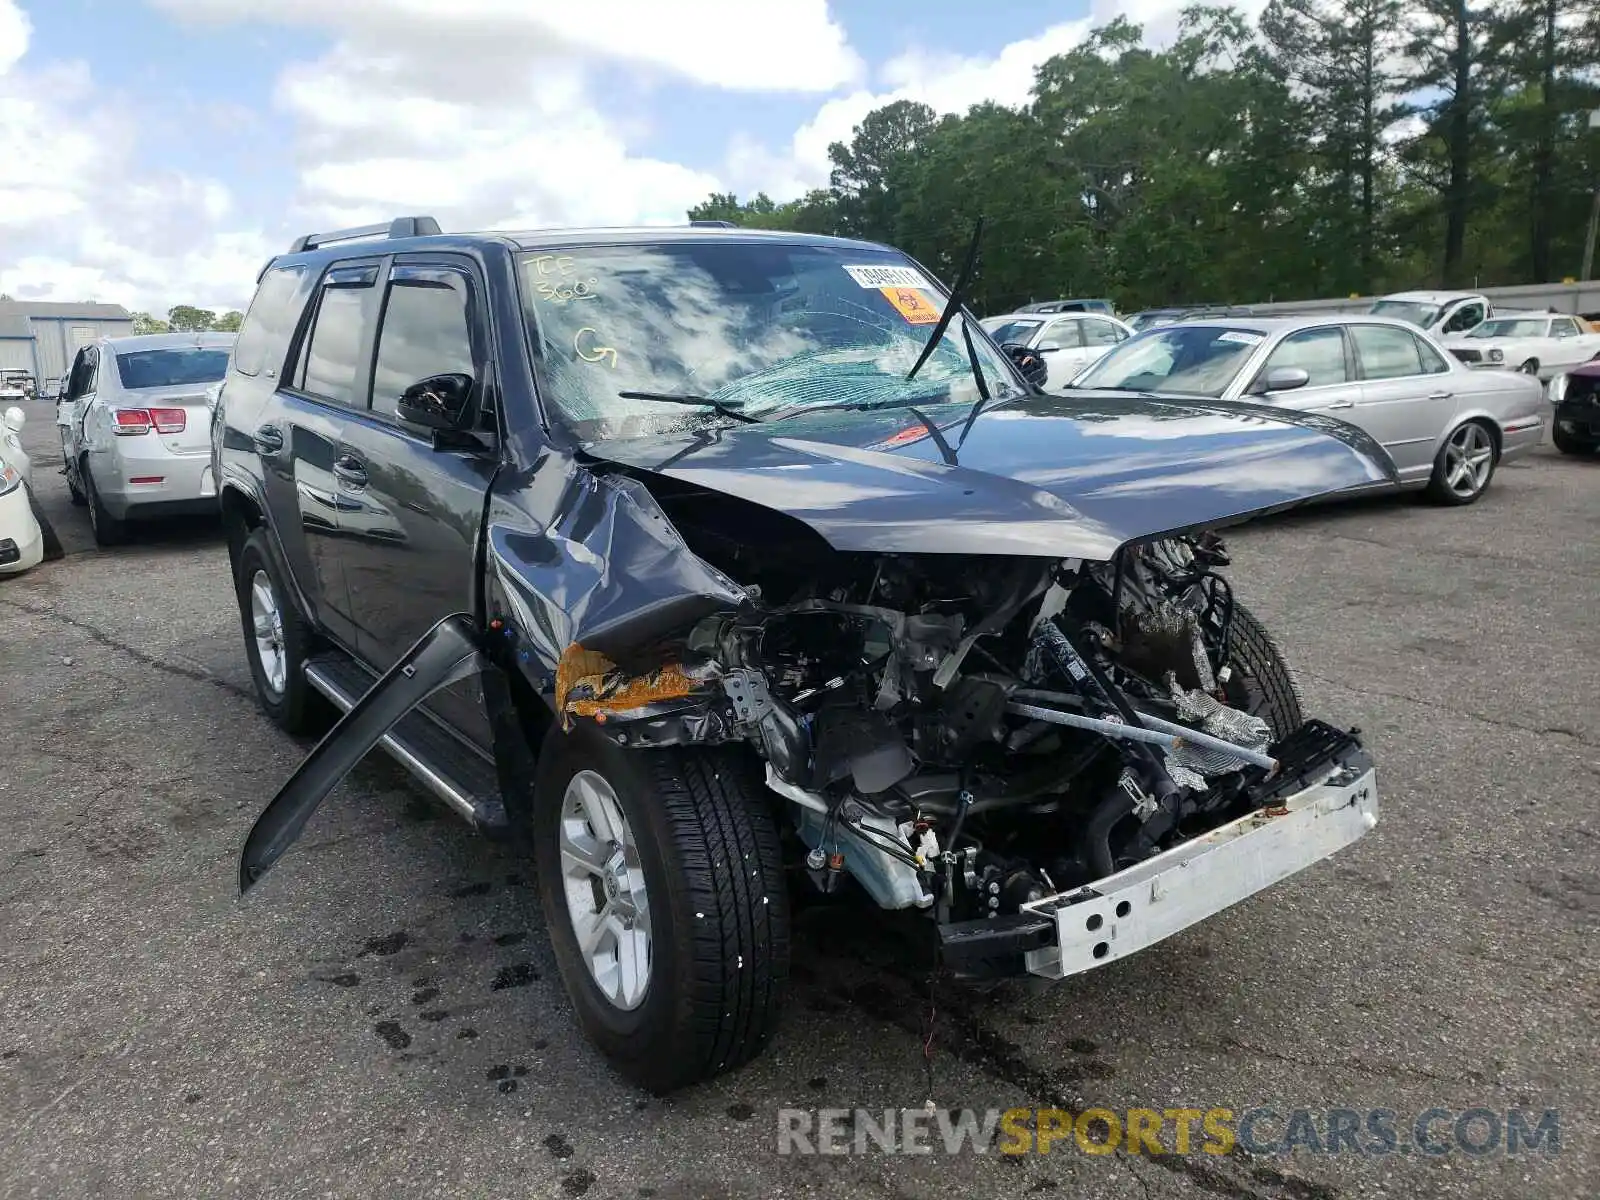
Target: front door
(409, 513)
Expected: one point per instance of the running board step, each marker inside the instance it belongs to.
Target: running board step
(462, 778)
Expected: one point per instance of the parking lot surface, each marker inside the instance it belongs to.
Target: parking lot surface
(383, 1015)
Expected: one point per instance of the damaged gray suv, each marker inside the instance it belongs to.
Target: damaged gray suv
(716, 565)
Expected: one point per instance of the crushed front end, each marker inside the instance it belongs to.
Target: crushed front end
(1059, 761)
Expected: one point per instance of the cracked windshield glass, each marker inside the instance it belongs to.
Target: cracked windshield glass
(740, 331)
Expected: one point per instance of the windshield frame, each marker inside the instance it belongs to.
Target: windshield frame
(560, 427)
(1405, 310)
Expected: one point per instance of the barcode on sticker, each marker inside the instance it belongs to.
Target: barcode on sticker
(888, 277)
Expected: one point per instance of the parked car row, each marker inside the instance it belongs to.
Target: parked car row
(21, 537)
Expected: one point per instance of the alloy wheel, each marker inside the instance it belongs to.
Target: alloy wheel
(603, 882)
(266, 619)
(1468, 460)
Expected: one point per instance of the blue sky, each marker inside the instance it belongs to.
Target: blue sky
(164, 146)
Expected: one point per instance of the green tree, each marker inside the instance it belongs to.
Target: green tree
(1453, 47)
(1341, 57)
(185, 318)
(143, 322)
(228, 322)
(869, 174)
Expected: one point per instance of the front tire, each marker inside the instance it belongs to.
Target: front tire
(277, 641)
(1529, 366)
(679, 845)
(1465, 465)
(1571, 443)
(1261, 683)
(73, 490)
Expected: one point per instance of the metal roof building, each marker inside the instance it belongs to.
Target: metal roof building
(42, 337)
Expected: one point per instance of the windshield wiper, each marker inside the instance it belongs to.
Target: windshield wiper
(692, 402)
(952, 304)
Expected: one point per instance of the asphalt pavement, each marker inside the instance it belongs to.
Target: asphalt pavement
(383, 1015)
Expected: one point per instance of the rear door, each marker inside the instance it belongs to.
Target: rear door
(300, 436)
(1406, 399)
(1061, 345)
(410, 514)
(1567, 347)
(1099, 336)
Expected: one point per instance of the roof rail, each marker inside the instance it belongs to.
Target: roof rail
(712, 225)
(400, 227)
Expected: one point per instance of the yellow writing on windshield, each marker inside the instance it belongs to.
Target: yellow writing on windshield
(593, 353)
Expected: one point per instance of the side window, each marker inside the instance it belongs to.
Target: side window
(1099, 333)
(1317, 352)
(1563, 327)
(269, 323)
(333, 362)
(1466, 317)
(1061, 335)
(1386, 353)
(1433, 363)
(72, 386)
(91, 370)
(426, 331)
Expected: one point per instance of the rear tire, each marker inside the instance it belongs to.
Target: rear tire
(1462, 452)
(281, 688)
(700, 848)
(108, 530)
(1262, 683)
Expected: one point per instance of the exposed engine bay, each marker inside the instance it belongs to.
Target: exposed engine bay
(967, 735)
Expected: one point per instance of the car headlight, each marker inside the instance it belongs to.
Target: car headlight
(10, 479)
(1497, 356)
(1558, 389)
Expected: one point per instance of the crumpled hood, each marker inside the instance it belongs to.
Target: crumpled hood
(1072, 476)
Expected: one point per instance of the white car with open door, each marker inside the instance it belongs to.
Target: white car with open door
(1068, 342)
(1535, 343)
(135, 427)
(21, 538)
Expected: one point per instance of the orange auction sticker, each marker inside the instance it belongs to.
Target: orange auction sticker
(913, 304)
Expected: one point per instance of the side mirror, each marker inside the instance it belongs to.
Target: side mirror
(1033, 368)
(1281, 379)
(14, 419)
(437, 402)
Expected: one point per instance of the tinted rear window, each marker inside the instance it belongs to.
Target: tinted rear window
(171, 368)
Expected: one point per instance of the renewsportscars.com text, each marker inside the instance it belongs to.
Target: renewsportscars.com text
(1261, 1130)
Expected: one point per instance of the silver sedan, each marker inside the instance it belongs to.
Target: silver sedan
(1446, 426)
(135, 425)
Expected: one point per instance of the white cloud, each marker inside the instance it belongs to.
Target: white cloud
(80, 219)
(947, 83)
(723, 43)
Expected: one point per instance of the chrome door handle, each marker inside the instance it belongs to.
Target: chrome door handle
(349, 471)
(1342, 404)
(268, 439)
(1440, 395)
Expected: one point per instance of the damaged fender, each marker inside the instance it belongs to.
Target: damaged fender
(447, 653)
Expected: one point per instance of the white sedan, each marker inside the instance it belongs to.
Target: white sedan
(21, 538)
(1068, 342)
(1542, 344)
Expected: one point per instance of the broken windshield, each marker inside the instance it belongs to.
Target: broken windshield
(761, 327)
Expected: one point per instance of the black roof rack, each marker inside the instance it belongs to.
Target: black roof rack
(712, 225)
(400, 227)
